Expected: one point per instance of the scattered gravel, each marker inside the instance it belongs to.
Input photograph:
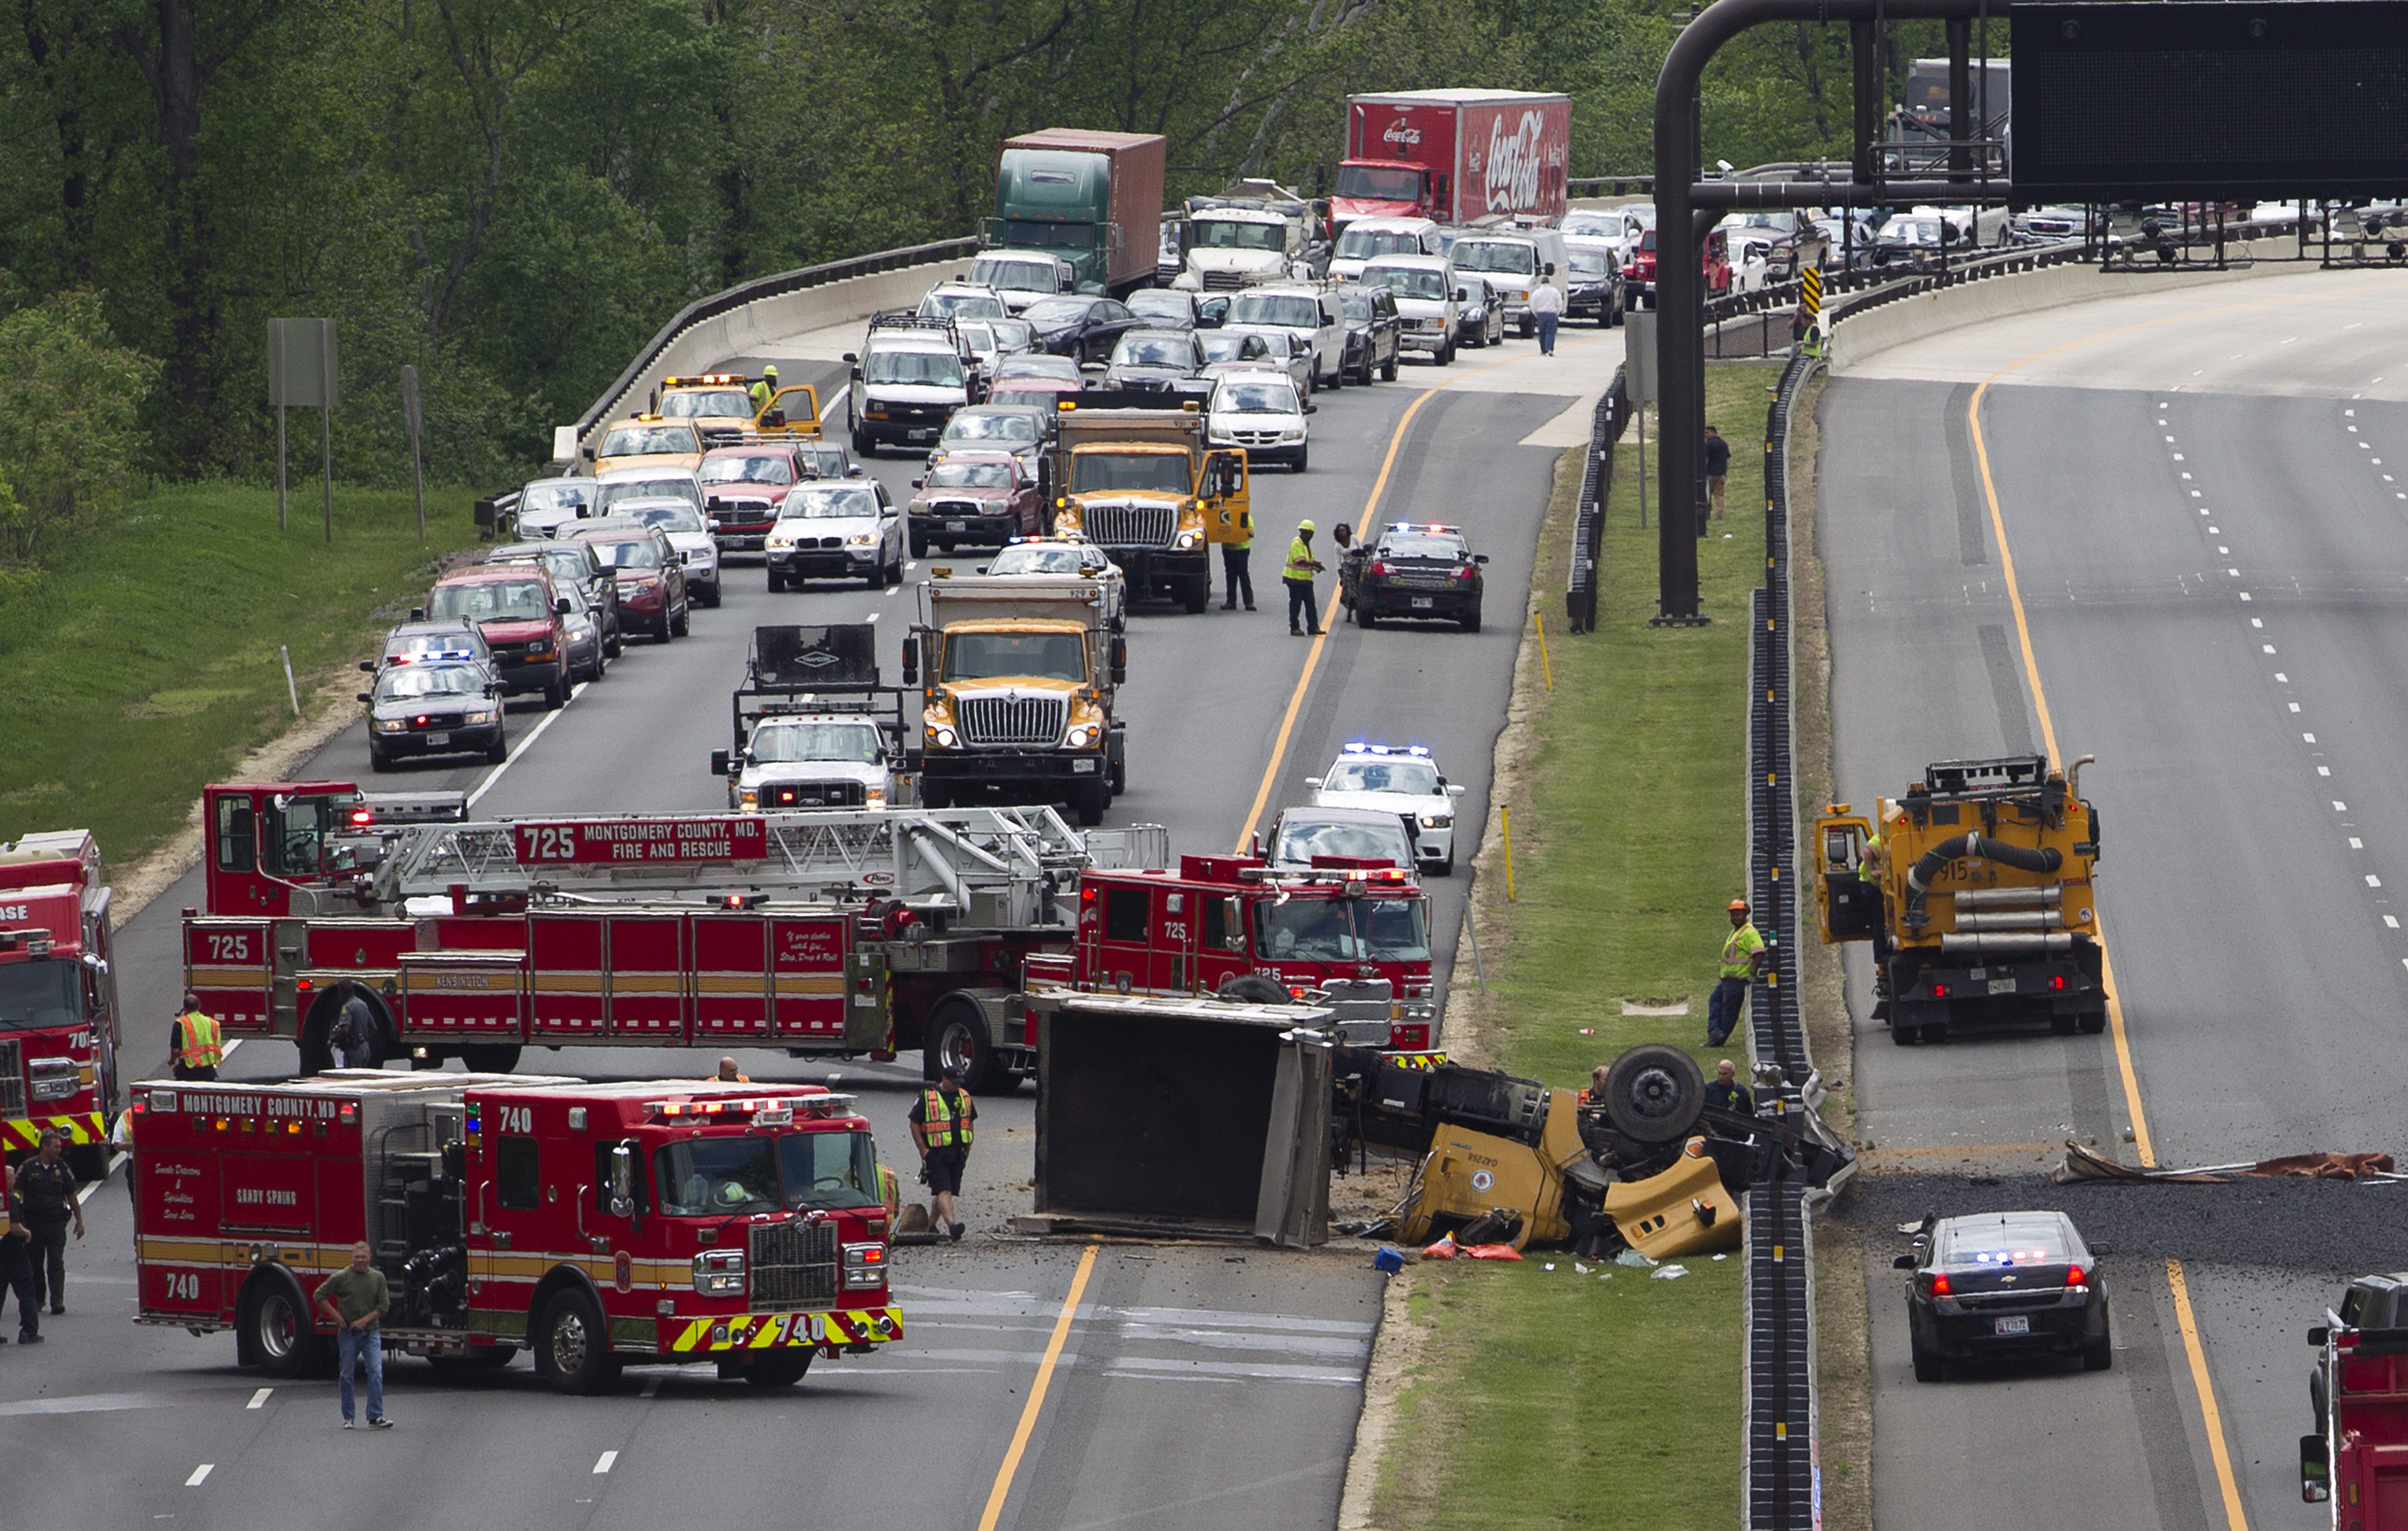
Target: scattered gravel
(2336, 1229)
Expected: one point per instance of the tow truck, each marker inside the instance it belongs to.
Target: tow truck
(718, 404)
(595, 1225)
(2357, 1459)
(814, 728)
(1982, 903)
(58, 999)
(826, 933)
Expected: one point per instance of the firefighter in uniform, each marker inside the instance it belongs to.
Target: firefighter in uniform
(1743, 958)
(941, 1125)
(198, 1045)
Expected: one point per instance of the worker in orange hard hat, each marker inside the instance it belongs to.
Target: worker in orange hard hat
(1743, 959)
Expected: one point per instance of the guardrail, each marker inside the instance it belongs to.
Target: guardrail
(1780, 1482)
(1613, 416)
(705, 308)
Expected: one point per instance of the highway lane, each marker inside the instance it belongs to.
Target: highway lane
(2214, 573)
(1273, 1349)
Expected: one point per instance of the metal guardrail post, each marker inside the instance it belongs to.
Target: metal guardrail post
(1613, 415)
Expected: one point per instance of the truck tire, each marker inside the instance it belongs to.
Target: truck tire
(958, 1037)
(1089, 804)
(2093, 1023)
(556, 695)
(934, 795)
(278, 1334)
(572, 1344)
(1197, 593)
(778, 1368)
(919, 546)
(491, 1057)
(1653, 1093)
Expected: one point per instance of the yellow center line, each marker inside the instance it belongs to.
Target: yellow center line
(1002, 1490)
(1313, 656)
(2236, 1518)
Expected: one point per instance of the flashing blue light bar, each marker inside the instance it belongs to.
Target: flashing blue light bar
(1359, 747)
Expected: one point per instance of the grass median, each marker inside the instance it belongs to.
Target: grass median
(144, 661)
(1538, 1397)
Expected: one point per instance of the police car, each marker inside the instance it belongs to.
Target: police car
(1399, 778)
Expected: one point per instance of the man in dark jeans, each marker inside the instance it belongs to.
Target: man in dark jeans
(45, 1188)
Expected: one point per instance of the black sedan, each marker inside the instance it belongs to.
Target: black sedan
(1084, 327)
(434, 710)
(2004, 1283)
(1375, 333)
(1157, 361)
(1422, 571)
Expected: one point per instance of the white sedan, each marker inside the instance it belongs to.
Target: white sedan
(1399, 779)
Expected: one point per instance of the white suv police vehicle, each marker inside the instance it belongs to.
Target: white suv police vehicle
(1399, 778)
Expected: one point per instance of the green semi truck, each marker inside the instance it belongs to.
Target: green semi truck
(1093, 200)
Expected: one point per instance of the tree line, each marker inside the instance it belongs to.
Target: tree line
(513, 195)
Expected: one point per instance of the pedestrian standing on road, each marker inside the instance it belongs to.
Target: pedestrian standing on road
(17, 1267)
(1744, 955)
(195, 1045)
(45, 1193)
(357, 1298)
(1717, 468)
(1237, 569)
(941, 1125)
(1726, 1093)
(1297, 574)
(1547, 309)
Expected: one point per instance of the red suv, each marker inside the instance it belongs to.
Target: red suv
(519, 613)
(1714, 264)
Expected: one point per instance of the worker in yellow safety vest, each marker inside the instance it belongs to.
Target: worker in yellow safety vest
(1298, 574)
(764, 389)
(942, 1124)
(1744, 955)
(198, 1045)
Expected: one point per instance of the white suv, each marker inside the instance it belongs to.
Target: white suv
(1399, 778)
(1313, 317)
(1430, 296)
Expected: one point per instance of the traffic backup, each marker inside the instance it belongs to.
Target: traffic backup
(594, 1225)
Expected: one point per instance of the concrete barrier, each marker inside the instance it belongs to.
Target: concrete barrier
(758, 326)
(1858, 335)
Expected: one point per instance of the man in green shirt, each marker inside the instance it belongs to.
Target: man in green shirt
(1744, 955)
(357, 1298)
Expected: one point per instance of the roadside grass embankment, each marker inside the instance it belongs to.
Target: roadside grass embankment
(142, 662)
(1543, 1397)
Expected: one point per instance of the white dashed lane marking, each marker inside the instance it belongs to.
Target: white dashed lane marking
(604, 1464)
(259, 1399)
(200, 1475)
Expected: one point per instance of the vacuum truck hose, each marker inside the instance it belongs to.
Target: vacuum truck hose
(1937, 859)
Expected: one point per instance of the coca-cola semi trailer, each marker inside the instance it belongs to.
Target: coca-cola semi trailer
(1457, 156)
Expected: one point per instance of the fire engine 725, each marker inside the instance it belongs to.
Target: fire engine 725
(593, 1223)
(823, 932)
(57, 998)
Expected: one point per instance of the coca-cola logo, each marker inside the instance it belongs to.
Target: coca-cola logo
(1513, 163)
(1401, 133)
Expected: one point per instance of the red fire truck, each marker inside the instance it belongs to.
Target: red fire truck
(57, 998)
(824, 932)
(594, 1225)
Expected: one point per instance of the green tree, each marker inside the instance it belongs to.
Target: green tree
(70, 399)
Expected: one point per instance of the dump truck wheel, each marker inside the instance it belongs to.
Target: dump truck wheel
(491, 1057)
(1903, 1036)
(2063, 1026)
(2093, 1023)
(1653, 1094)
(1252, 989)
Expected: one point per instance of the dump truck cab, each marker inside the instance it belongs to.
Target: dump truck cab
(1135, 476)
(2356, 1457)
(1976, 890)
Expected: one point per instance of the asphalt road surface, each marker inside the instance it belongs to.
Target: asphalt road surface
(112, 1425)
(2205, 494)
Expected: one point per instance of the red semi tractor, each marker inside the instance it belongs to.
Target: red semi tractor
(828, 933)
(57, 998)
(1457, 156)
(594, 1225)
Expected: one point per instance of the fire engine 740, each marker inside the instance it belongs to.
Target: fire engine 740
(824, 932)
(58, 999)
(594, 1225)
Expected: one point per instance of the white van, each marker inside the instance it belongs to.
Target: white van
(1513, 262)
(1367, 239)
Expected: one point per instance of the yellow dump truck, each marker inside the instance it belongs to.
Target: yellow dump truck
(1977, 892)
(1136, 479)
(1017, 675)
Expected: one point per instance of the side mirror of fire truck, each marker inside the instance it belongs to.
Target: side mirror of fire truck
(623, 1181)
(2316, 1470)
(910, 661)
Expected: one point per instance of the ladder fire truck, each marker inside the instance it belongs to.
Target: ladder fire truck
(826, 932)
(58, 999)
(594, 1225)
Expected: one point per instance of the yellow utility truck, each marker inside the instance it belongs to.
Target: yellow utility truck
(1017, 676)
(1977, 890)
(1137, 480)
